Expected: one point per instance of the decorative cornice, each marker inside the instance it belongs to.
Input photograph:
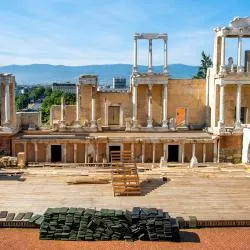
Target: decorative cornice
(151, 36)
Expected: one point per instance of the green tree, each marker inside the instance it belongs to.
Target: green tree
(47, 91)
(206, 62)
(37, 93)
(55, 99)
(22, 101)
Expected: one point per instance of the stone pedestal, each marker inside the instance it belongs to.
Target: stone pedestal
(77, 124)
(149, 123)
(93, 124)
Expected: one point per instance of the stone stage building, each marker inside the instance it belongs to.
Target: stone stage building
(157, 118)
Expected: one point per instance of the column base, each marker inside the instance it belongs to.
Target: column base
(6, 128)
(93, 124)
(221, 126)
(222, 71)
(150, 124)
(77, 124)
(165, 124)
(134, 123)
(135, 69)
(238, 125)
(150, 70)
(62, 124)
(240, 69)
(6, 124)
(165, 71)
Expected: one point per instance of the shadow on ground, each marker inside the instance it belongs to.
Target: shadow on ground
(11, 178)
(149, 185)
(189, 237)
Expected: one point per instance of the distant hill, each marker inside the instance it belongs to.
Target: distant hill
(47, 74)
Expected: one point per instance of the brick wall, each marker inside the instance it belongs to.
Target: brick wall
(5, 144)
(230, 149)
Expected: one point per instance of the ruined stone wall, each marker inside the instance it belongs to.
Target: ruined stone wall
(80, 152)
(5, 144)
(69, 152)
(158, 151)
(86, 92)
(230, 148)
(230, 103)
(157, 104)
(18, 147)
(245, 100)
(28, 119)
(142, 105)
(41, 152)
(102, 151)
(69, 114)
(105, 99)
(188, 93)
(148, 152)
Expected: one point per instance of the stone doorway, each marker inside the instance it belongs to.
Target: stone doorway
(113, 115)
(113, 148)
(56, 153)
(173, 153)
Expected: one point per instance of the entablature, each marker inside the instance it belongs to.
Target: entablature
(149, 79)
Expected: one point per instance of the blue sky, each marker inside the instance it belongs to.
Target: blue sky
(84, 32)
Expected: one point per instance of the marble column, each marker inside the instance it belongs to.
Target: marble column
(36, 151)
(97, 153)
(48, 152)
(221, 121)
(150, 56)
(204, 152)
(86, 153)
(223, 50)
(62, 121)
(93, 113)
(7, 104)
(193, 149)
(165, 106)
(150, 107)
(240, 68)
(135, 68)
(143, 152)
(134, 102)
(153, 157)
(238, 107)
(64, 153)
(165, 67)
(182, 153)
(165, 151)
(133, 150)
(77, 121)
(75, 153)
(25, 147)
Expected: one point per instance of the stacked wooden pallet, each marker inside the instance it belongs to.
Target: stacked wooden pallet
(125, 179)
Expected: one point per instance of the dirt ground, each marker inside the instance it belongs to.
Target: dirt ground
(210, 238)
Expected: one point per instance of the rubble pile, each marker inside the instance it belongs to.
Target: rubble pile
(108, 224)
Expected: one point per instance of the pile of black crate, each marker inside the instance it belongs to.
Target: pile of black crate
(154, 225)
(108, 224)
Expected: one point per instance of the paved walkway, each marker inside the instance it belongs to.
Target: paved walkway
(209, 238)
(206, 192)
